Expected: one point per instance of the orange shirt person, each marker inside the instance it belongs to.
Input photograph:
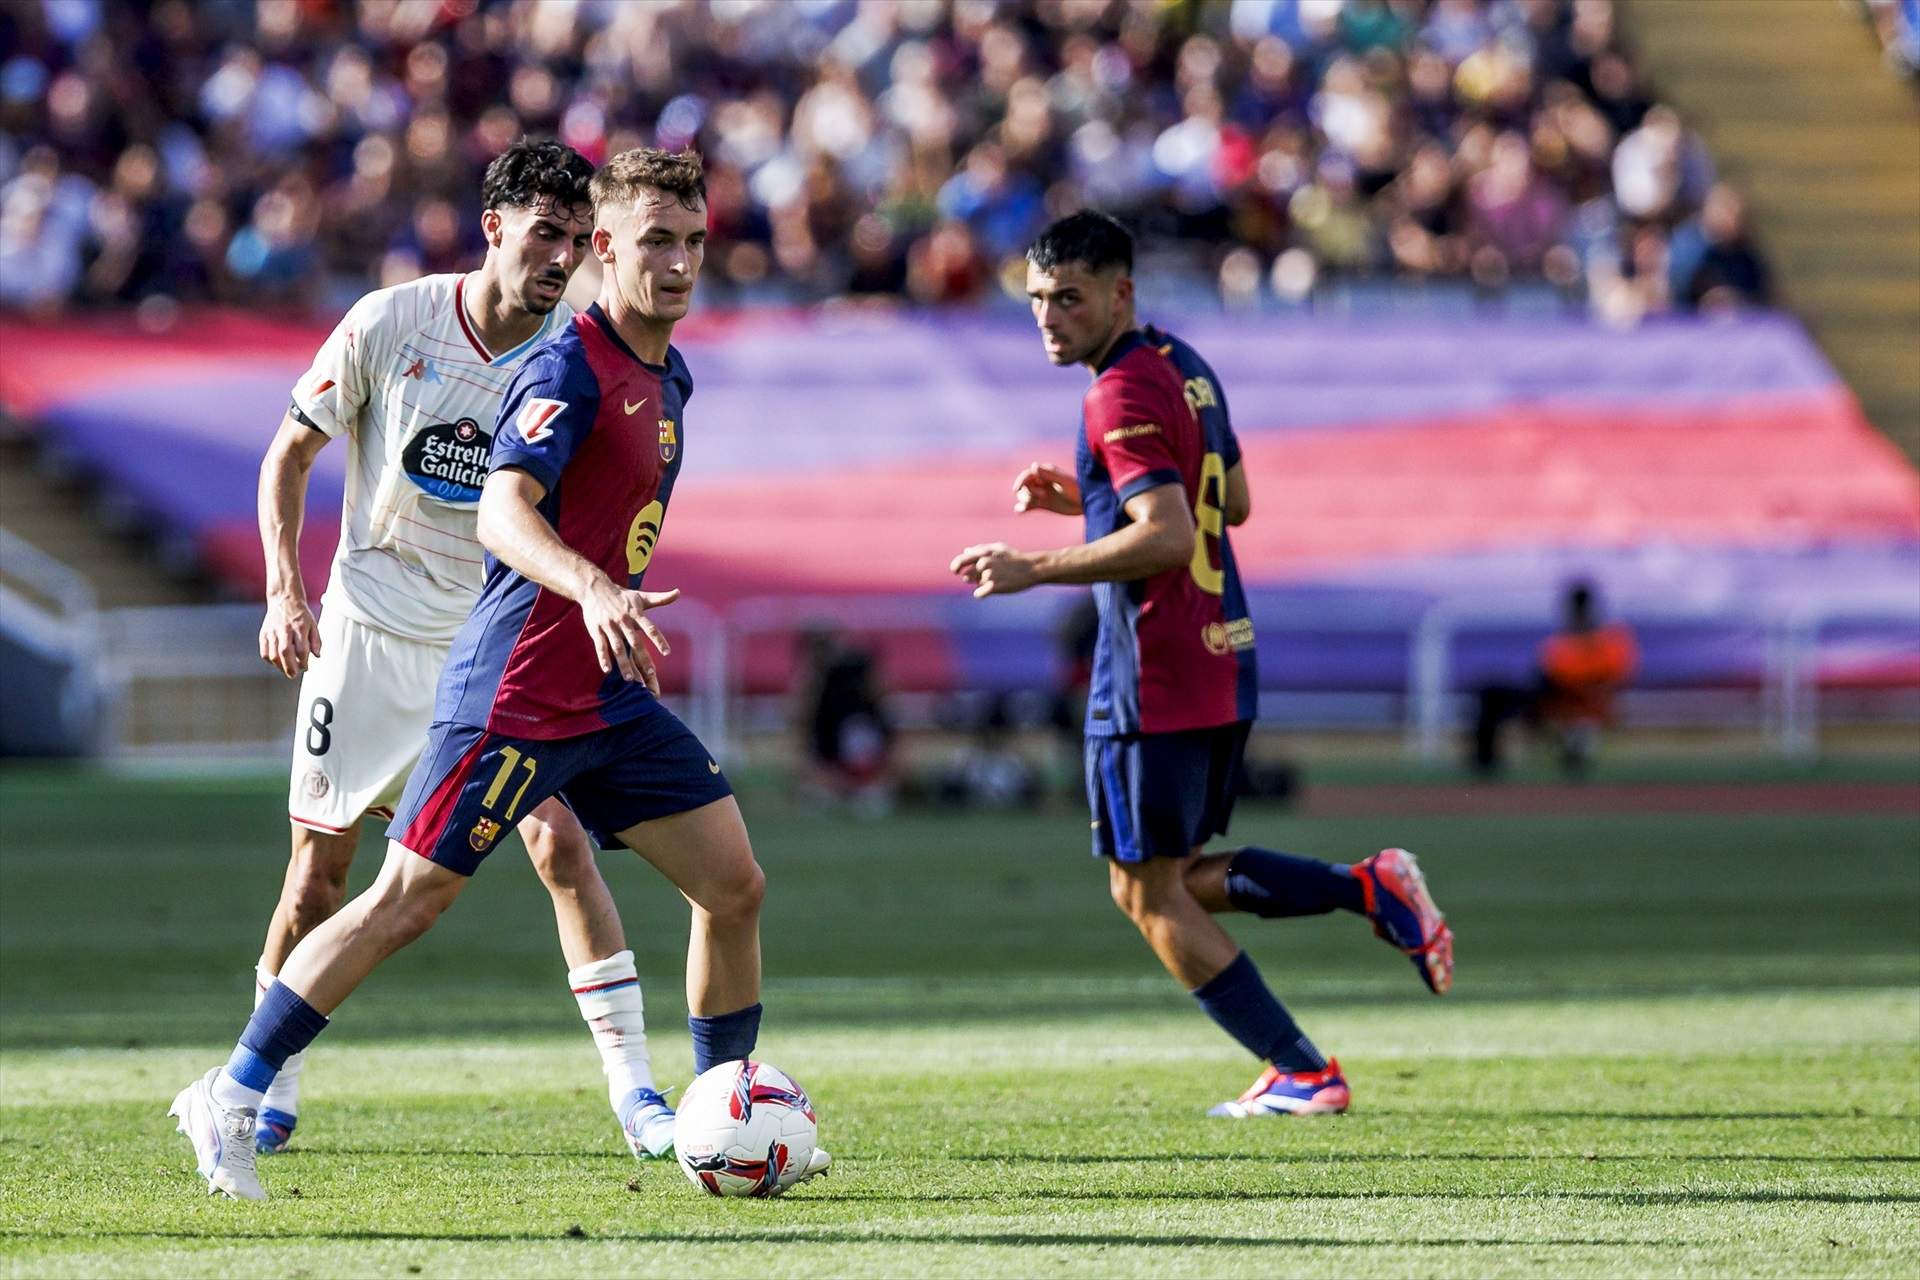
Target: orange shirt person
(1584, 664)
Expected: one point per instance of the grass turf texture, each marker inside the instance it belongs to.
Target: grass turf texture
(1678, 1046)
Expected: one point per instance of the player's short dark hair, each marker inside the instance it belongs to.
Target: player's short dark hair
(677, 173)
(536, 169)
(1090, 238)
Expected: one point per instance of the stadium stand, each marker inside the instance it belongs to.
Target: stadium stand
(1795, 104)
(295, 154)
(1488, 315)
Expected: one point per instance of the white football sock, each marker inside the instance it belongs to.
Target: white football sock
(608, 992)
(284, 1093)
(233, 1095)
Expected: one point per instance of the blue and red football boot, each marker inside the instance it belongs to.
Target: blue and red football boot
(1403, 914)
(271, 1135)
(1291, 1093)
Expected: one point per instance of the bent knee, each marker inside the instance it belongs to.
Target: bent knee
(738, 897)
(559, 861)
(1145, 890)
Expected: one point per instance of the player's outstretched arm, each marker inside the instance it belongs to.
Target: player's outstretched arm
(1045, 487)
(1160, 538)
(512, 528)
(289, 634)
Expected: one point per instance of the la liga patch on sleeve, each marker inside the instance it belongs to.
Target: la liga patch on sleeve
(536, 418)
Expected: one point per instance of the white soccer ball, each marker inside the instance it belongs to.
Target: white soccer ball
(744, 1129)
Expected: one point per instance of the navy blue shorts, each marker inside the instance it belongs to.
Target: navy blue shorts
(1162, 795)
(472, 786)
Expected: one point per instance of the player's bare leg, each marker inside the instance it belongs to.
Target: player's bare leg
(562, 855)
(1178, 925)
(600, 973)
(1182, 932)
(706, 854)
(219, 1112)
(395, 910)
(313, 889)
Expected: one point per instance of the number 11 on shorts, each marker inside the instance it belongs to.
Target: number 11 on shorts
(510, 759)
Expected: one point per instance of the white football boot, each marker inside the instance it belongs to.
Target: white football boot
(222, 1139)
(647, 1122)
(817, 1165)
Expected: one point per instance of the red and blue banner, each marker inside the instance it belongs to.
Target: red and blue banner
(1718, 465)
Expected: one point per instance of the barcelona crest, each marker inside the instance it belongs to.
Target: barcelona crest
(484, 833)
(669, 442)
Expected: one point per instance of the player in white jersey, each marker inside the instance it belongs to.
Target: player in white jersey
(411, 379)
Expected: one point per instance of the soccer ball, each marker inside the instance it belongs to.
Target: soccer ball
(744, 1129)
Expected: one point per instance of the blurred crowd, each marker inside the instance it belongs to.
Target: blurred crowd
(1897, 23)
(297, 152)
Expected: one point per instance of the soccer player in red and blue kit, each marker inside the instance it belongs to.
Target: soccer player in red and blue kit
(549, 689)
(1159, 479)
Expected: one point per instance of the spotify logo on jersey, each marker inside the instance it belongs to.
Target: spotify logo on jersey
(449, 460)
(642, 537)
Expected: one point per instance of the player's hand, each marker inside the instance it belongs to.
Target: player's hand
(1043, 487)
(617, 620)
(289, 636)
(995, 569)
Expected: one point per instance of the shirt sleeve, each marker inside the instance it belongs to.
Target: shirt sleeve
(330, 395)
(545, 416)
(1229, 443)
(1128, 432)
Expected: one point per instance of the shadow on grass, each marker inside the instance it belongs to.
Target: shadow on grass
(802, 1235)
(1156, 1157)
(41, 1018)
(1349, 1157)
(1226, 1195)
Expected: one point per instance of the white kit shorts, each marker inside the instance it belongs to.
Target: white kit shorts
(365, 706)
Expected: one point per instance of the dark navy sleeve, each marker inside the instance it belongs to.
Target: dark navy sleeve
(677, 368)
(547, 413)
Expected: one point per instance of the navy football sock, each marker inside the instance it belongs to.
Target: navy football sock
(282, 1025)
(1272, 885)
(1237, 998)
(723, 1037)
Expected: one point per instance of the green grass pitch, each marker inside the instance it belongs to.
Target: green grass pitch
(1679, 1045)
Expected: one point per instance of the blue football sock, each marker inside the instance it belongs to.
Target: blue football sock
(1237, 998)
(724, 1037)
(282, 1025)
(1272, 885)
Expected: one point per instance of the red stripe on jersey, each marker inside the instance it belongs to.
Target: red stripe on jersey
(445, 555)
(442, 532)
(424, 832)
(460, 310)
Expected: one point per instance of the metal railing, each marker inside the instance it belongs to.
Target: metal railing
(188, 681)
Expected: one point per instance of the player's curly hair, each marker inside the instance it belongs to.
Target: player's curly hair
(677, 173)
(536, 169)
(1090, 238)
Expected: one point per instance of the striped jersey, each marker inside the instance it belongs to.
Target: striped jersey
(406, 379)
(1175, 650)
(604, 433)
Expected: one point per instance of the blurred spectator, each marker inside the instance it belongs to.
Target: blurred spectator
(296, 153)
(1582, 666)
(1897, 22)
(1579, 669)
(991, 773)
(43, 226)
(1712, 264)
(847, 734)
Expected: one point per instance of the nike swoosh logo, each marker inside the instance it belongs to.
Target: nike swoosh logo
(634, 408)
(712, 767)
